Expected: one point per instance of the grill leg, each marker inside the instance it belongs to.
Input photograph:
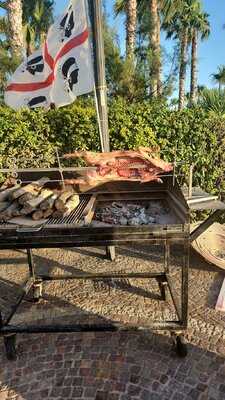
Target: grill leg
(179, 344)
(37, 287)
(185, 273)
(9, 342)
(162, 282)
(10, 347)
(111, 253)
(166, 257)
(163, 287)
(31, 263)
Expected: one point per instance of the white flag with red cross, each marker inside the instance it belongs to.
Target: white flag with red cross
(61, 70)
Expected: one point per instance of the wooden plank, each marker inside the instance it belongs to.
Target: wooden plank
(220, 305)
(90, 210)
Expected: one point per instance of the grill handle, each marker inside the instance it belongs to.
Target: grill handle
(28, 229)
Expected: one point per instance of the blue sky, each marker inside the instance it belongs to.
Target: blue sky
(211, 51)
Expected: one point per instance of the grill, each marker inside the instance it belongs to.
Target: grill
(75, 217)
(77, 230)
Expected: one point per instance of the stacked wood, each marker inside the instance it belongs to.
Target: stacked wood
(69, 206)
(4, 195)
(36, 201)
(62, 199)
(49, 203)
(37, 215)
(10, 181)
(33, 188)
(4, 205)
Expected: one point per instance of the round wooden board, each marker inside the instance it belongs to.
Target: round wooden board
(211, 245)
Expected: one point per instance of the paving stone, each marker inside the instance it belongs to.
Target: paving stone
(77, 391)
(116, 366)
(101, 395)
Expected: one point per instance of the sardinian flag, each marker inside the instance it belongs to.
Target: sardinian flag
(59, 72)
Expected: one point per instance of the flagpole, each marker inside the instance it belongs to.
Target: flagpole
(99, 68)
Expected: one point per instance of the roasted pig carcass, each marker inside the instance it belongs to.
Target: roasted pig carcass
(141, 165)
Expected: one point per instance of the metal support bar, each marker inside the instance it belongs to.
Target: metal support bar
(166, 257)
(161, 325)
(174, 298)
(88, 276)
(31, 263)
(184, 283)
(26, 289)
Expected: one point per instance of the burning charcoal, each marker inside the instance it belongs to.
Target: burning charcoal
(134, 221)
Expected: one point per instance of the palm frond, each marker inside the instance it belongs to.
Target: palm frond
(120, 7)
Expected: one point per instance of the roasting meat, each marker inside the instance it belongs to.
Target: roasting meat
(141, 165)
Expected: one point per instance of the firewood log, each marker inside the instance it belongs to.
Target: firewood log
(37, 215)
(48, 213)
(43, 195)
(61, 201)
(71, 204)
(9, 182)
(4, 205)
(9, 212)
(26, 197)
(30, 188)
(59, 213)
(49, 203)
(6, 194)
(27, 210)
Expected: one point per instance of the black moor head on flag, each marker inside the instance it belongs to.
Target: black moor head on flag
(39, 101)
(67, 24)
(35, 65)
(70, 72)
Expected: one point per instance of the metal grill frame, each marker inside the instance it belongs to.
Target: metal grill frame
(71, 235)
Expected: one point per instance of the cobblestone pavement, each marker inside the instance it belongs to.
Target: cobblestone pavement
(111, 366)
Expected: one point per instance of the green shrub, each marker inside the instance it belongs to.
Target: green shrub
(190, 136)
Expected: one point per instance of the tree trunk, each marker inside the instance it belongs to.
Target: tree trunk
(131, 11)
(154, 46)
(194, 72)
(159, 65)
(183, 67)
(14, 8)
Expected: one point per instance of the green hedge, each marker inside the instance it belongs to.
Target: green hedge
(192, 135)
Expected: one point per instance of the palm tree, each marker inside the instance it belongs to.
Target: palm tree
(155, 46)
(14, 12)
(219, 77)
(129, 7)
(179, 27)
(201, 27)
(151, 16)
(8, 63)
(37, 17)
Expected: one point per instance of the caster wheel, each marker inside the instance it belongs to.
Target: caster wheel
(180, 347)
(111, 253)
(10, 347)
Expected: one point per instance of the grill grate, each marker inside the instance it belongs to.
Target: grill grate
(75, 217)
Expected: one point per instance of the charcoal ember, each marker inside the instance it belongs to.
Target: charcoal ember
(123, 221)
(125, 214)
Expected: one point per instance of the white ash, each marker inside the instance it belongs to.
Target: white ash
(120, 213)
